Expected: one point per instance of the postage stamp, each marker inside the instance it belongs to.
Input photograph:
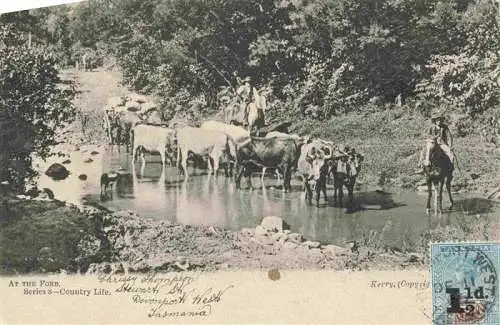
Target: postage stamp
(465, 283)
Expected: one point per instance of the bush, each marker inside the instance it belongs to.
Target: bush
(32, 106)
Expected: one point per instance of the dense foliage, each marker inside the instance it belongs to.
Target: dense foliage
(316, 58)
(33, 107)
(321, 57)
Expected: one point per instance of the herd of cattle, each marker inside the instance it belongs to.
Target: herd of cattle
(234, 148)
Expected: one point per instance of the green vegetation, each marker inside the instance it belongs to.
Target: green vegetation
(318, 58)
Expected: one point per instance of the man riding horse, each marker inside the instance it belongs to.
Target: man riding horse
(436, 161)
(253, 105)
(441, 133)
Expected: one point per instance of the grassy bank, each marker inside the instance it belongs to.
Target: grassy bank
(391, 141)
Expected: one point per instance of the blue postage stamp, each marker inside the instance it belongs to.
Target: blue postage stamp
(465, 283)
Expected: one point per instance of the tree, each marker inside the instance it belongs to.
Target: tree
(32, 105)
(467, 79)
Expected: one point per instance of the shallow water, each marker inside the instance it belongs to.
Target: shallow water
(394, 219)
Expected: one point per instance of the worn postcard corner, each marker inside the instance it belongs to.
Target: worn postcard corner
(269, 162)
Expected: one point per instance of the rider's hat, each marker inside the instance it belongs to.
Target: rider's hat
(436, 115)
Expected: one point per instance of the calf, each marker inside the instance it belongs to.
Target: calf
(107, 182)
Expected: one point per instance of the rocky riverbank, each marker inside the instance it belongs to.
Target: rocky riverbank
(82, 239)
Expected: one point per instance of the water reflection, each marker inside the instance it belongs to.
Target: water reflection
(395, 219)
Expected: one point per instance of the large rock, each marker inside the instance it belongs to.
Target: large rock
(272, 223)
(312, 244)
(57, 172)
(336, 250)
(260, 231)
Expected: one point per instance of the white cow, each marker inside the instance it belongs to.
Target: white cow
(238, 133)
(151, 138)
(203, 142)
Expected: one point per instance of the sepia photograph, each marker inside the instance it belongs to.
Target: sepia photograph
(150, 138)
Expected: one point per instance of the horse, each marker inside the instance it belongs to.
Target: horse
(249, 115)
(438, 173)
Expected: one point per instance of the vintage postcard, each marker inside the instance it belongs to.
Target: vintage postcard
(250, 162)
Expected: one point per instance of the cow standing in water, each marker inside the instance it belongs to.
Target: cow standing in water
(152, 139)
(280, 153)
(238, 134)
(118, 126)
(204, 142)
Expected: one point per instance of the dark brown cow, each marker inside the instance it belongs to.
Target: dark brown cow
(280, 153)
